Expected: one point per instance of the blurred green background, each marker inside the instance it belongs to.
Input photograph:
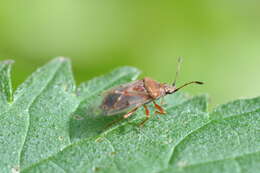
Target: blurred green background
(219, 40)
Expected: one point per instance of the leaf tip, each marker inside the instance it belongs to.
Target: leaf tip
(62, 59)
(9, 61)
(129, 69)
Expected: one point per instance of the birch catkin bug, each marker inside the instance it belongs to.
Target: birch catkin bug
(133, 95)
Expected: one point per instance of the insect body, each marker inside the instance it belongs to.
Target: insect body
(133, 95)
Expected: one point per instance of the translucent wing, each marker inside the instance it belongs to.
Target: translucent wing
(124, 97)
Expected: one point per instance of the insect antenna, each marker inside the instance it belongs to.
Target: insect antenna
(176, 76)
(196, 82)
(177, 71)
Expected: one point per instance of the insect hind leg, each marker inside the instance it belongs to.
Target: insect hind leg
(130, 113)
(122, 118)
(147, 112)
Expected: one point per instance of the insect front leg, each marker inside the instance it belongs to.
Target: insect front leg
(147, 113)
(159, 108)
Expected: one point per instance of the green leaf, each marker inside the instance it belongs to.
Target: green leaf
(49, 125)
(230, 144)
(34, 126)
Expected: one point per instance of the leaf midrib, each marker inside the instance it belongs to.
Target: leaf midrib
(194, 131)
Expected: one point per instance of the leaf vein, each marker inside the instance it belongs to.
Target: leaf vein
(29, 106)
(215, 161)
(196, 130)
(57, 165)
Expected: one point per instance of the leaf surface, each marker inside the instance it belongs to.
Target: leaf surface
(50, 125)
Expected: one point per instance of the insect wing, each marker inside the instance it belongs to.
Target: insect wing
(124, 97)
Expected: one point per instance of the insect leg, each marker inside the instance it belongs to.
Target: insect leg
(113, 122)
(122, 118)
(147, 112)
(130, 113)
(159, 108)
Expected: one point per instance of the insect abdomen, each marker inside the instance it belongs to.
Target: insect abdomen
(111, 99)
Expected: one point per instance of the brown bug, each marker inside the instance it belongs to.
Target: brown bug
(133, 95)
